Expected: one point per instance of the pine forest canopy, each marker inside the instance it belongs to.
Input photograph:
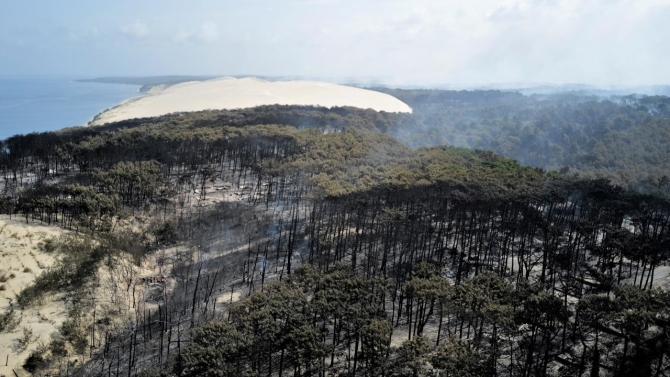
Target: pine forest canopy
(308, 241)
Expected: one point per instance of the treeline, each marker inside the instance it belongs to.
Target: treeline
(618, 138)
(25, 158)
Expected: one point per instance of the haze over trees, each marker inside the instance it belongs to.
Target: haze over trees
(622, 138)
(310, 242)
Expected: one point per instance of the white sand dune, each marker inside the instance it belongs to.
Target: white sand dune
(231, 93)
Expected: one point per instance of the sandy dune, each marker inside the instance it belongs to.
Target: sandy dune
(232, 93)
(22, 260)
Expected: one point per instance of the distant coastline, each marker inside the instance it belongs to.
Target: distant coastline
(147, 83)
(30, 104)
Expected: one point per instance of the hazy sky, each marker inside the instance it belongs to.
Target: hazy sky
(603, 42)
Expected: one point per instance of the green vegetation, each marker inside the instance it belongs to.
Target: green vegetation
(80, 257)
(620, 138)
(303, 241)
(9, 321)
(27, 337)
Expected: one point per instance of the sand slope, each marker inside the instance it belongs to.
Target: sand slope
(22, 261)
(232, 93)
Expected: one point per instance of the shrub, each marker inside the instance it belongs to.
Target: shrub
(58, 347)
(9, 321)
(27, 270)
(34, 362)
(50, 245)
(80, 259)
(28, 296)
(26, 338)
(73, 332)
(166, 234)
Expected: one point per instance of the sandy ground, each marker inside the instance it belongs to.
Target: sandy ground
(661, 278)
(232, 93)
(21, 260)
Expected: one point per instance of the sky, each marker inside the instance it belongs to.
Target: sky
(417, 42)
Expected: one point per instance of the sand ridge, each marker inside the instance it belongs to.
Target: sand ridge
(231, 93)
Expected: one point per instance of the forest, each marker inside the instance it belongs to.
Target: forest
(621, 138)
(487, 234)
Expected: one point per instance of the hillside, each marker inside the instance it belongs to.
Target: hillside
(300, 241)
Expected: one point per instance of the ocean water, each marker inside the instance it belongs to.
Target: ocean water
(38, 104)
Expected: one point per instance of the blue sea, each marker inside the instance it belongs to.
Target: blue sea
(37, 104)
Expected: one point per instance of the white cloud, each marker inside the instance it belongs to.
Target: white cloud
(183, 35)
(492, 41)
(405, 42)
(136, 29)
(209, 32)
(81, 34)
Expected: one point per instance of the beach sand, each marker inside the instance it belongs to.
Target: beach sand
(231, 93)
